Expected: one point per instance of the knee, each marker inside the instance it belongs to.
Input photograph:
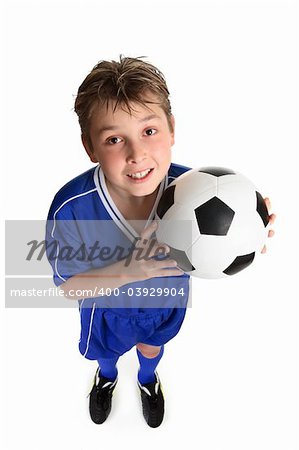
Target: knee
(148, 351)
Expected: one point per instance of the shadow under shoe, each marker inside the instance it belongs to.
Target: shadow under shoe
(152, 402)
(100, 398)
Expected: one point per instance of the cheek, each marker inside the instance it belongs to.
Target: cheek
(110, 160)
(162, 144)
(162, 152)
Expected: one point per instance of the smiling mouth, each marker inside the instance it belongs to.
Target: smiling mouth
(140, 175)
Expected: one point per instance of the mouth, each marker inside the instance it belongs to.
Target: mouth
(140, 176)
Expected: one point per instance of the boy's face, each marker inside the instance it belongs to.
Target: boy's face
(134, 151)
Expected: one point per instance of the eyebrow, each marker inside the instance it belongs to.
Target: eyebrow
(113, 127)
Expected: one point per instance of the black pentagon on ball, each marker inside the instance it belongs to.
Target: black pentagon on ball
(181, 258)
(217, 171)
(214, 217)
(262, 208)
(166, 201)
(239, 263)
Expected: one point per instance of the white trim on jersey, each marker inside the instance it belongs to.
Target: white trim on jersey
(54, 226)
(113, 211)
(55, 265)
(170, 181)
(111, 208)
(64, 203)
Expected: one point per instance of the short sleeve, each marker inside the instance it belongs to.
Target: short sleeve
(65, 248)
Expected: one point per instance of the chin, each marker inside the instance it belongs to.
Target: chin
(145, 190)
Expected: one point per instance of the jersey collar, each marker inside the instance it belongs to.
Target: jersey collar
(113, 211)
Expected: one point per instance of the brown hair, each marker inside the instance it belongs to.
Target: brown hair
(125, 81)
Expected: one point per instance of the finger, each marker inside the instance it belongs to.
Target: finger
(268, 203)
(160, 249)
(172, 273)
(167, 263)
(271, 233)
(153, 264)
(153, 248)
(147, 249)
(149, 230)
(264, 249)
(272, 218)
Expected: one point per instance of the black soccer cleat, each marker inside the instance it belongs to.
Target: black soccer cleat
(100, 398)
(152, 402)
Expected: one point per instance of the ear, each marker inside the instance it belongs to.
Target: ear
(172, 120)
(88, 148)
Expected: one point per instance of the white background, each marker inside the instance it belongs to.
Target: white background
(230, 377)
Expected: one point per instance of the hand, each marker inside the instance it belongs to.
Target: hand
(141, 265)
(272, 218)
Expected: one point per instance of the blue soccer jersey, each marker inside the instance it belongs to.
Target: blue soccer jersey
(83, 226)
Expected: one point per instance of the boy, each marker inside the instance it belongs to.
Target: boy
(128, 130)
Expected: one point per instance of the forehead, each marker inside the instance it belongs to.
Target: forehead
(111, 111)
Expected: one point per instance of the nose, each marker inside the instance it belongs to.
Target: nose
(136, 153)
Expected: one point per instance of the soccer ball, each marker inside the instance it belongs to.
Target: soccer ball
(214, 221)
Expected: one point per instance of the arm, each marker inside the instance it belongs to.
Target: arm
(112, 276)
(120, 273)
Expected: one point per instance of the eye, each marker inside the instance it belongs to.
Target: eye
(113, 140)
(150, 131)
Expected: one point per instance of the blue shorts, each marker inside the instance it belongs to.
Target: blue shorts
(106, 333)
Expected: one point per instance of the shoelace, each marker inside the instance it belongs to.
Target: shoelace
(153, 400)
(102, 396)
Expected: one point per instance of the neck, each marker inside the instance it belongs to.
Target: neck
(131, 207)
